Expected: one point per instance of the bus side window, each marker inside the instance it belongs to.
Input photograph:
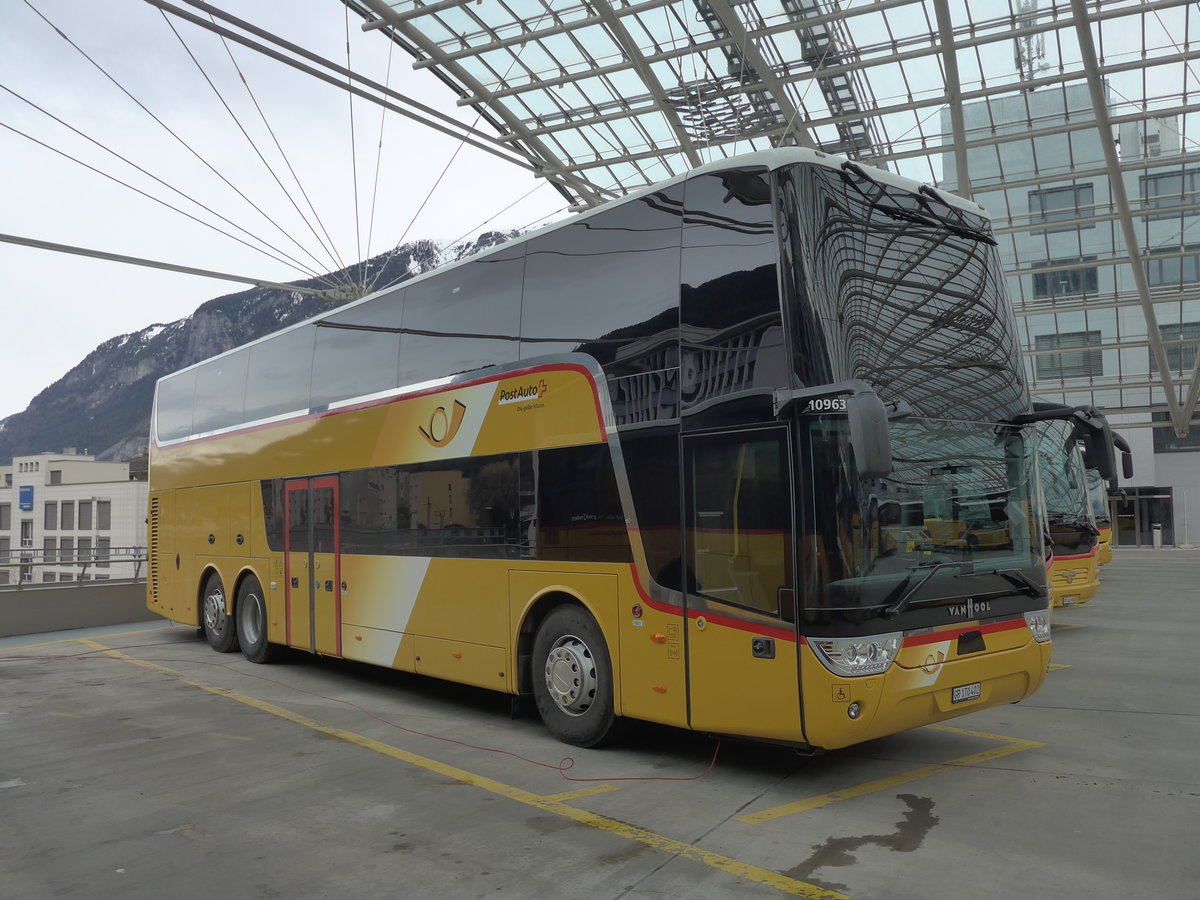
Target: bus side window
(220, 392)
(580, 517)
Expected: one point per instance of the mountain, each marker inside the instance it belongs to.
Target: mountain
(103, 403)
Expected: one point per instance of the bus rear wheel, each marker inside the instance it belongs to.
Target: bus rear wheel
(251, 614)
(218, 627)
(572, 678)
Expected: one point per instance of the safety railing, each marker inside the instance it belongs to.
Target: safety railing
(27, 569)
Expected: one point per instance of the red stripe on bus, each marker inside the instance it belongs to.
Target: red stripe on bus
(1095, 549)
(937, 637)
(782, 634)
(788, 635)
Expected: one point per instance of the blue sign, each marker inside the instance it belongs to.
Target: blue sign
(26, 497)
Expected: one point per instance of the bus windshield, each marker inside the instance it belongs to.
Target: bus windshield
(953, 519)
(1099, 497)
(1064, 480)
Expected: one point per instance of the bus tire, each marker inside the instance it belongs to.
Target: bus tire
(251, 615)
(572, 678)
(218, 626)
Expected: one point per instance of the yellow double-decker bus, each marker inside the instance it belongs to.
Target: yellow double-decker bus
(1076, 460)
(1099, 490)
(1072, 562)
(1098, 498)
(741, 453)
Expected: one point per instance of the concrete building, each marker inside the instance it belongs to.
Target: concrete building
(67, 517)
(1086, 333)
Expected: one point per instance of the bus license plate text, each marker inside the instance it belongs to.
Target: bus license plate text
(966, 692)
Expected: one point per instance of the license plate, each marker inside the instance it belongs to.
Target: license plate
(1070, 601)
(966, 692)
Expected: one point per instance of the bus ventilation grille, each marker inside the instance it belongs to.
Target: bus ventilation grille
(152, 540)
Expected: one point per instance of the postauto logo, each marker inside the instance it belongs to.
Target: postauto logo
(522, 393)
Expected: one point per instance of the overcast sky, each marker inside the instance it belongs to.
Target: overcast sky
(56, 308)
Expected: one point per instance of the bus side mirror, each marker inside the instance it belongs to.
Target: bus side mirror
(1099, 452)
(868, 421)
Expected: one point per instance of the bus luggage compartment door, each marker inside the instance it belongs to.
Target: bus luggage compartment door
(312, 565)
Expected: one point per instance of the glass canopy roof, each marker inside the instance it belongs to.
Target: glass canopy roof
(1074, 122)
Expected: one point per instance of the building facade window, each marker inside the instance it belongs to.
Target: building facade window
(49, 549)
(68, 515)
(56, 476)
(1167, 441)
(1174, 270)
(1081, 363)
(66, 549)
(85, 515)
(104, 515)
(5, 517)
(1059, 204)
(50, 522)
(1067, 278)
(1169, 189)
(103, 552)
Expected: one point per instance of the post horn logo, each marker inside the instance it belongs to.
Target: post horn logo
(931, 664)
(443, 426)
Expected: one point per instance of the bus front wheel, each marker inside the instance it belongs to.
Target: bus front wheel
(251, 616)
(572, 678)
(218, 627)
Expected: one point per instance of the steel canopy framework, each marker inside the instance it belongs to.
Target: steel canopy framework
(1073, 121)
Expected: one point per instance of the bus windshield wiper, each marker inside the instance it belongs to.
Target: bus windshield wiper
(1022, 582)
(1018, 579)
(1073, 519)
(965, 567)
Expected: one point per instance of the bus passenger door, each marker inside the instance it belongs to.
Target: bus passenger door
(743, 668)
(312, 565)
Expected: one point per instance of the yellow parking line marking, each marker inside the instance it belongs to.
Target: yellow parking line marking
(228, 737)
(1009, 746)
(730, 866)
(582, 792)
(1054, 667)
(1054, 626)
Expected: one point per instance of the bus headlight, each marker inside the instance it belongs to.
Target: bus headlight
(857, 656)
(1039, 623)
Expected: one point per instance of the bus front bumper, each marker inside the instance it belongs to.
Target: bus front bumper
(840, 711)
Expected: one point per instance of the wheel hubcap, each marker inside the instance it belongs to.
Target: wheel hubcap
(214, 611)
(571, 675)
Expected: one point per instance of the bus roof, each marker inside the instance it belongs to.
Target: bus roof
(770, 160)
